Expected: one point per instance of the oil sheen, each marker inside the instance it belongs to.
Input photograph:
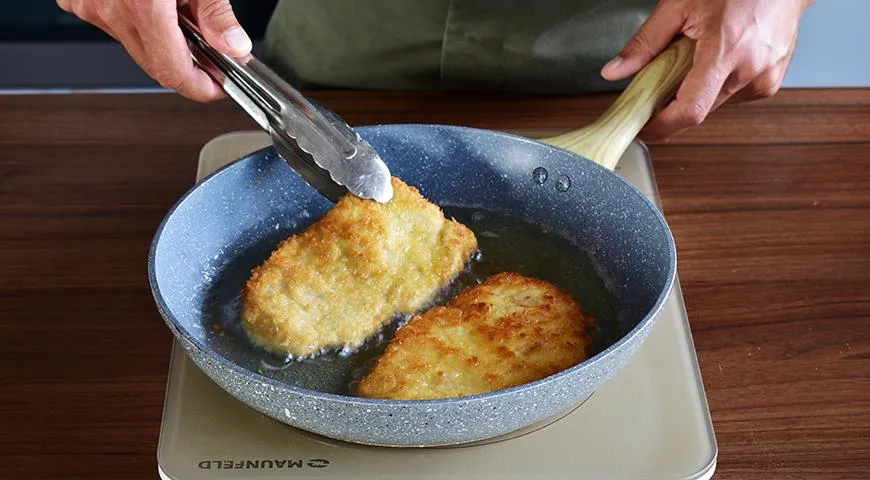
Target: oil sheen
(506, 244)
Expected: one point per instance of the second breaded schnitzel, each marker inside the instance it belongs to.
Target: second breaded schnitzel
(505, 332)
(342, 279)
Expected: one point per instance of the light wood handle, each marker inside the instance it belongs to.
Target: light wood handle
(605, 140)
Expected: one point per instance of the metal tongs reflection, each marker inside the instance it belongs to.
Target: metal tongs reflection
(324, 150)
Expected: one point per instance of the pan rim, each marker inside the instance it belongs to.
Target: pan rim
(181, 333)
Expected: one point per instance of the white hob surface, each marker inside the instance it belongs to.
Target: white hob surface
(650, 421)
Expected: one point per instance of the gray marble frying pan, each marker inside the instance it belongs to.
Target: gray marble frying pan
(230, 221)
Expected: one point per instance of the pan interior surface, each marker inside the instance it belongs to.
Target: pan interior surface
(535, 210)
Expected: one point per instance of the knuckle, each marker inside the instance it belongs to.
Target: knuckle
(180, 84)
(104, 9)
(213, 10)
(743, 75)
(170, 79)
(733, 37)
(693, 113)
(767, 84)
(64, 5)
(781, 51)
(735, 49)
(133, 9)
(755, 63)
(79, 9)
(640, 42)
(767, 89)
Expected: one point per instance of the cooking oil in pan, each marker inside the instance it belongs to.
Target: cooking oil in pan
(506, 244)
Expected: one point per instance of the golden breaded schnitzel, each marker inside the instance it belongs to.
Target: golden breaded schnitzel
(343, 278)
(505, 332)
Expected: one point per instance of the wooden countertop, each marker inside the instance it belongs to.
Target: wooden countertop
(769, 203)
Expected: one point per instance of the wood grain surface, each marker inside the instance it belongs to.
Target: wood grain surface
(769, 203)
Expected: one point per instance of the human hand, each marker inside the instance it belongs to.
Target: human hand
(149, 30)
(742, 51)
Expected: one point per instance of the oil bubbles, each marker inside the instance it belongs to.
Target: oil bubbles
(539, 175)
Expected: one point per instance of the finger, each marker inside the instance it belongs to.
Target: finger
(735, 83)
(65, 5)
(115, 25)
(695, 97)
(88, 11)
(166, 54)
(78, 9)
(651, 39)
(125, 33)
(764, 85)
(219, 26)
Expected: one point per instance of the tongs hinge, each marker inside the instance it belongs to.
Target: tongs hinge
(320, 146)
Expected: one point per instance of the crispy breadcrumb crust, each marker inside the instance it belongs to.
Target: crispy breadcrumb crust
(507, 331)
(340, 280)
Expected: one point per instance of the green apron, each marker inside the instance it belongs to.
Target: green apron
(548, 46)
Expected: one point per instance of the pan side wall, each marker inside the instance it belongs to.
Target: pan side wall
(416, 424)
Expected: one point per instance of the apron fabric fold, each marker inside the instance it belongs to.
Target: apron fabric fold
(550, 46)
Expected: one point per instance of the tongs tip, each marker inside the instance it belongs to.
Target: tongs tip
(369, 177)
(378, 190)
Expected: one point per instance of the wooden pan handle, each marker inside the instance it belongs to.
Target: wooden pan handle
(605, 140)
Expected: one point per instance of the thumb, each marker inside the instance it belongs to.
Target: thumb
(650, 40)
(218, 24)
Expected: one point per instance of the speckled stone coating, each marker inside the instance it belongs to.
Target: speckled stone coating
(230, 221)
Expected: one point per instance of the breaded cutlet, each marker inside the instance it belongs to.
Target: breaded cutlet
(344, 277)
(507, 331)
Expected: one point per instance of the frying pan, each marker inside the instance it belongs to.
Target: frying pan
(230, 221)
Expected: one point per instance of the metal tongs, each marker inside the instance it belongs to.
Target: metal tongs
(324, 150)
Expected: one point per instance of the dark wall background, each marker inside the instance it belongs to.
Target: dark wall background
(44, 48)
(43, 21)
